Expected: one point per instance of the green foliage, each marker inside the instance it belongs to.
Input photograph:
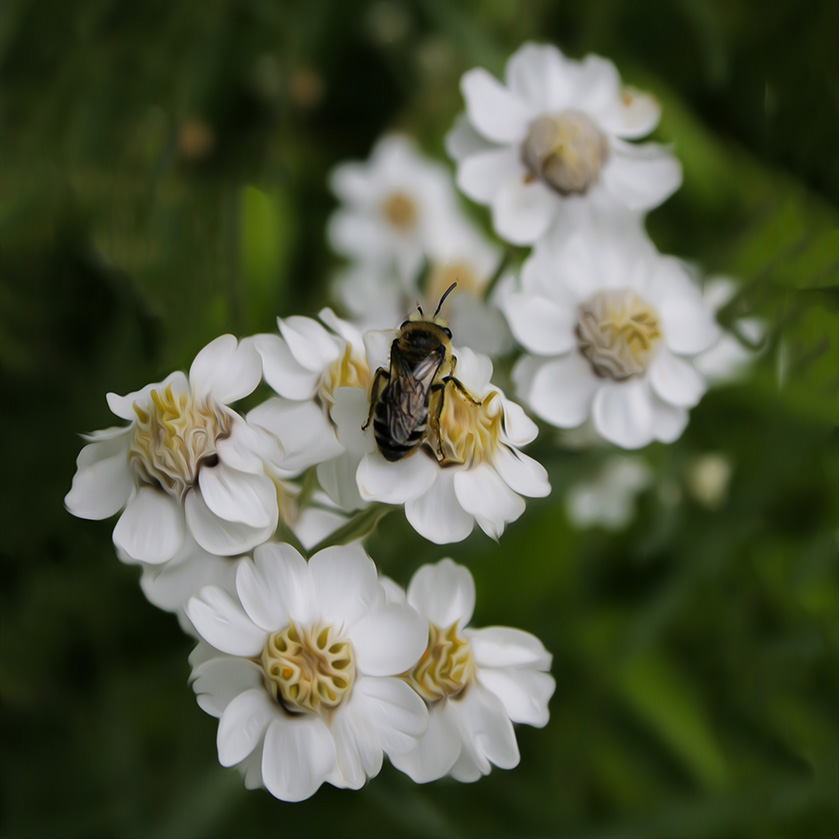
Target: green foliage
(163, 180)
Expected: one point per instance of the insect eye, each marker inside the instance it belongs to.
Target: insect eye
(447, 331)
(404, 324)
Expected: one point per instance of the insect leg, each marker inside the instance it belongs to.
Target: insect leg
(461, 390)
(435, 396)
(380, 381)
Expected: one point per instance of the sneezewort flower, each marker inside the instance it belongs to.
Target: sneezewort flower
(484, 476)
(476, 682)
(186, 463)
(550, 142)
(301, 668)
(613, 330)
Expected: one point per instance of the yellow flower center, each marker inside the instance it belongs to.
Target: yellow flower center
(350, 369)
(469, 433)
(173, 436)
(619, 333)
(567, 151)
(400, 211)
(462, 273)
(309, 669)
(447, 666)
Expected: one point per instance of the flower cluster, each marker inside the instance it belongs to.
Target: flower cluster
(248, 524)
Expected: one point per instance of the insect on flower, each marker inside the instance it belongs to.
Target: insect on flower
(407, 400)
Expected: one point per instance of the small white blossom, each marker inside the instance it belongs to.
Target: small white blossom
(476, 682)
(613, 329)
(486, 475)
(305, 681)
(550, 141)
(186, 463)
(608, 498)
(391, 274)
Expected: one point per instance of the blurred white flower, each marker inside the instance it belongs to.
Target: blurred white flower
(608, 499)
(401, 266)
(550, 142)
(486, 474)
(476, 682)
(613, 329)
(305, 683)
(707, 477)
(309, 364)
(186, 463)
(729, 358)
(393, 206)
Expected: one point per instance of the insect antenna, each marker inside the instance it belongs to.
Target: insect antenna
(446, 293)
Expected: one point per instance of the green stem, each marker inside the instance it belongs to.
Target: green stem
(361, 524)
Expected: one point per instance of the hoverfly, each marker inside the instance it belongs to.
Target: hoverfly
(406, 401)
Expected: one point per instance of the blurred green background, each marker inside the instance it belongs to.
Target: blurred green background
(162, 180)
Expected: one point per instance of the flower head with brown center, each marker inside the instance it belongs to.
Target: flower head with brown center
(566, 150)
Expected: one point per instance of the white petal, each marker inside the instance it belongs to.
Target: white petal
(727, 359)
(435, 753)
(436, 514)
(468, 767)
(474, 370)
(399, 715)
(283, 372)
(521, 473)
(497, 114)
(345, 584)
(357, 746)
(351, 182)
(222, 623)
(239, 496)
(152, 527)
(675, 380)
(522, 212)
(540, 325)
(524, 693)
(243, 724)
(669, 421)
(103, 481)
(482, 492)
(218, 681)
(337, 478)
(389, 640)
(539, 74)
(313, 525)
(311, 345)
(443, 593)
(518, 427)
(123, 406)
(488, 732)
(275, 586)
(562, 390)
(689, 328)
(641, 177)
(226, 370)
(637, 115)
(504, 647)
(377, 343)
(298, 756)
(248, 447)
(597, 86)
(395, 483)
(623, 413)
(463, 140)
(483, 174)
(219, 536)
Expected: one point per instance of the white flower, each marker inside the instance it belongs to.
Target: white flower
(309, 365)
(608, 499)
(186, 463)
(386, 283)
(486, 474)
(614, 329)
(305, 684)
(392, 207)
(476, 682)
(550, 142)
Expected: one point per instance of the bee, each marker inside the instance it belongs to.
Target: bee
(406, 401)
